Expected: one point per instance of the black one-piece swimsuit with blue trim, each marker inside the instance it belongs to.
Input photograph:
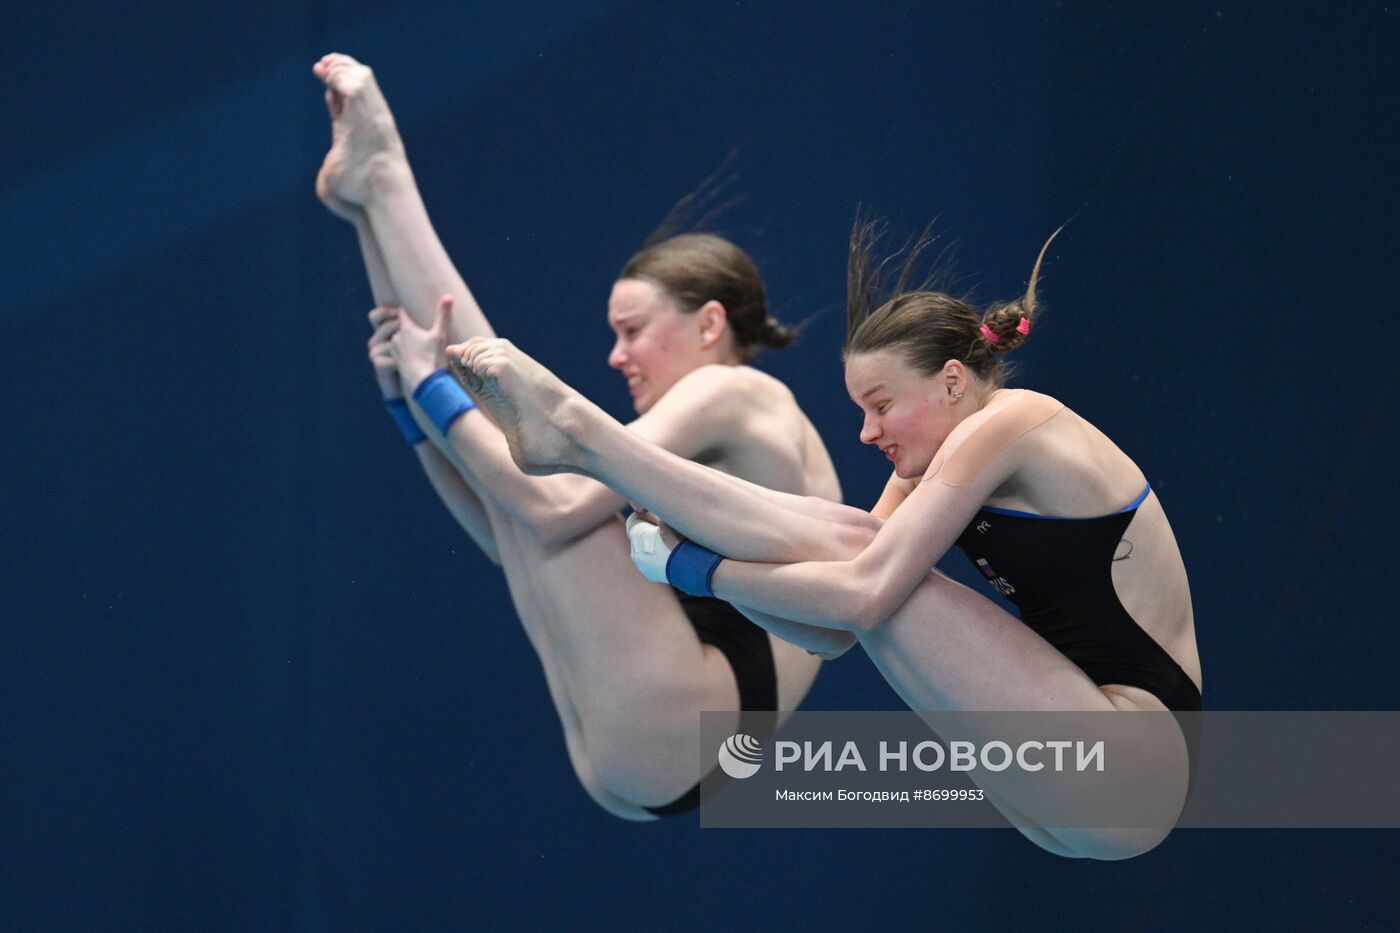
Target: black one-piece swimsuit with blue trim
(1059, 573)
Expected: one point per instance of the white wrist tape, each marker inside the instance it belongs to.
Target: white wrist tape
(649, 552)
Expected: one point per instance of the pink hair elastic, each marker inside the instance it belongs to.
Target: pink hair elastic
(1024, 327)
(991, 336)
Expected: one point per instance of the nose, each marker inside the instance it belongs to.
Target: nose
(870, 430)
(618, 357)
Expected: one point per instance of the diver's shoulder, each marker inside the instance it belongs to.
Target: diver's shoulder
(743, 384)
(1024, 399)
(1010, 414)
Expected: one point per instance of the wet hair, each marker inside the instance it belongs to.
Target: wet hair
(927, 326)
(694, 268)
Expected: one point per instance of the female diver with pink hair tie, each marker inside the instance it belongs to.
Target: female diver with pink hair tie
(1053, 514)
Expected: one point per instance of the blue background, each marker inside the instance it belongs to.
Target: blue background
(253, 676)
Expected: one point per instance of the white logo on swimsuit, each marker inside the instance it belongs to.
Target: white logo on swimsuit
(741, 755)
(984, 527)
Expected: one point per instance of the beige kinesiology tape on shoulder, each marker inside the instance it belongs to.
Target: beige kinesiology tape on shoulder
(993, 436)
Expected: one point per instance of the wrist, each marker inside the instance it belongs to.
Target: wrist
(691, 568)
(650, 554)
(391, 389)
(442, 399)
(398, 410)
(412, 375)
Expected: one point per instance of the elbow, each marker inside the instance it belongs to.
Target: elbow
(854, 539)
(551, 526)
(869, 598)
(544, 516)
(563, 510)
(556, 524)
(862, 622)
(838, 644)
(868, 613)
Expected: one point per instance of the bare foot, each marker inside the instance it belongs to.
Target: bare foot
(535, 410)
(362, 132)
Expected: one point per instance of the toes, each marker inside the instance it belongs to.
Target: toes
(472, 350)
(344, 78)
(347, 76)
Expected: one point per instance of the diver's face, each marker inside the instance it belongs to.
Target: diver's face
(657, 343)
(906, 413)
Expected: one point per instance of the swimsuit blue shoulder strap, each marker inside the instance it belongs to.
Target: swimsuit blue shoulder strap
(1056, 518)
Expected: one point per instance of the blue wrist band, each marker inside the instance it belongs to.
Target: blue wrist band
(442, 399)
(690, 567)
(404, 419)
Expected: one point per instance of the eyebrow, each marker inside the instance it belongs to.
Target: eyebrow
(872, 390)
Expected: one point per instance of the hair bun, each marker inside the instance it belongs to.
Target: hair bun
(1005, 326)
(775, 334)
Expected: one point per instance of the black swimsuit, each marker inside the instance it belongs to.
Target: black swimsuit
(1059, 573)
(750, 655)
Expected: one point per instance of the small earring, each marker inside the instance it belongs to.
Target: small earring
(955, 395)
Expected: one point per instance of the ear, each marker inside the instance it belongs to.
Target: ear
(713, 321)
(954, 378)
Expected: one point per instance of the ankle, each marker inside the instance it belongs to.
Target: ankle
(389, 174)
(572, 419)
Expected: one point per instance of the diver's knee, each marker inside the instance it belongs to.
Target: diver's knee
(604, 796)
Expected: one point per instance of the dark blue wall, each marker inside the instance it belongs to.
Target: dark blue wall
(239, 687)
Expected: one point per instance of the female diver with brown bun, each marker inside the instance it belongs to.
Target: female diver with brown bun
(629, 664)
